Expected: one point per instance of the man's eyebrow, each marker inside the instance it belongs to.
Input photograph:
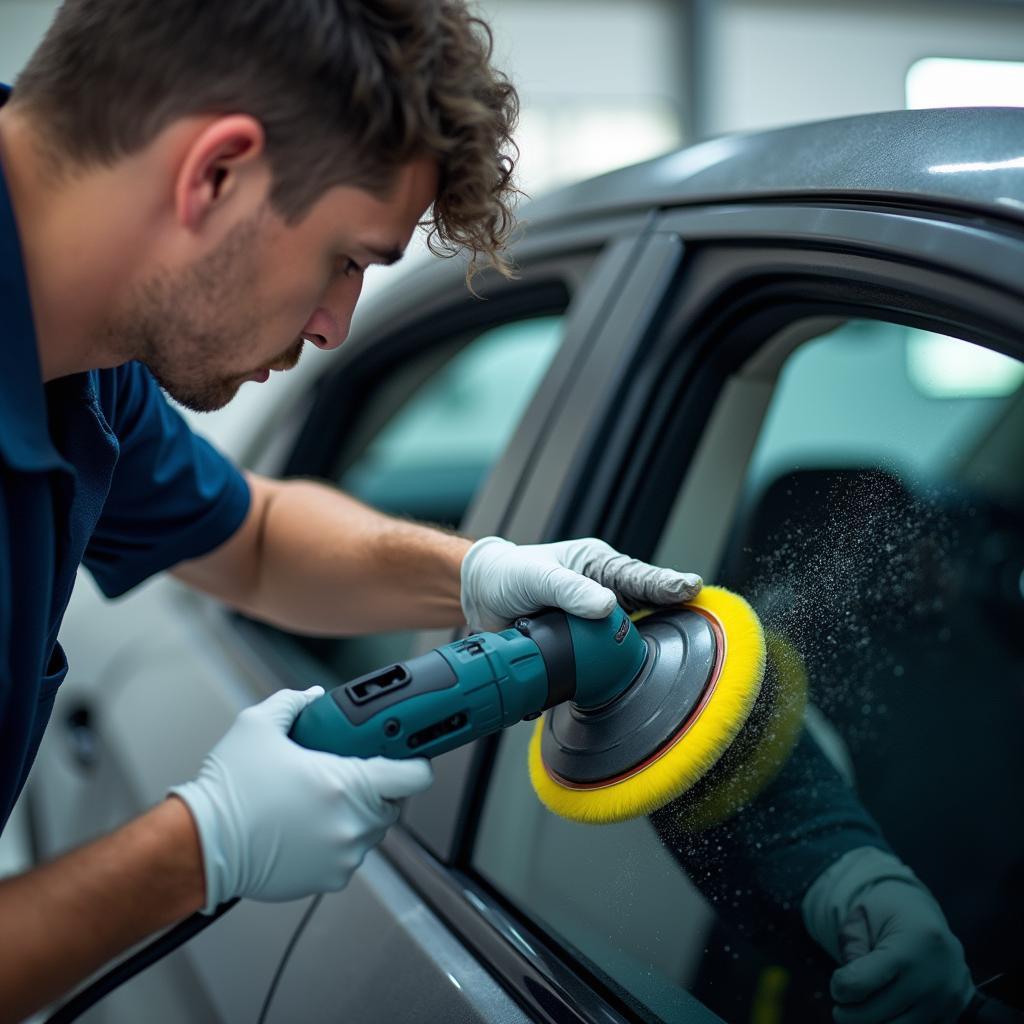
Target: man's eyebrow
(386, 256)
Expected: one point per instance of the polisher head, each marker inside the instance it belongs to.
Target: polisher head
(666, 731)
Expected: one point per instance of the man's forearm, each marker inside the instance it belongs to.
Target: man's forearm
(314, 560)
(62, 921)
(331, 565)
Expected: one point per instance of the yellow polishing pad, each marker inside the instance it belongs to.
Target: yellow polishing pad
(766, 745)
(696, 748)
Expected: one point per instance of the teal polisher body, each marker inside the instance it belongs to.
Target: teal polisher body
(619, 692)
(475, 686)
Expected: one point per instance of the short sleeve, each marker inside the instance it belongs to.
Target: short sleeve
(172, 496)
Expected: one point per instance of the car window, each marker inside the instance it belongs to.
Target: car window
(433, 450)
(860, 483)
(425, 442)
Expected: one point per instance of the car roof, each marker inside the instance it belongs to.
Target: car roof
(970, 157)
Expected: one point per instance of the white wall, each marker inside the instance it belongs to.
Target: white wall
(601, 82)
(584, 47)
(783, 61)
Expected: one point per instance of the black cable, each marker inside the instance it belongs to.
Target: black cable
(287, 953)
(126, 969)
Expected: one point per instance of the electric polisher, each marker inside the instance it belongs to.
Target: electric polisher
(636, 712)
(631, 715)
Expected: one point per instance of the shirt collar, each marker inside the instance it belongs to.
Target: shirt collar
(25, 442)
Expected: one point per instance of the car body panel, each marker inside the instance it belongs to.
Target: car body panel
(406, 966)
(967, 158)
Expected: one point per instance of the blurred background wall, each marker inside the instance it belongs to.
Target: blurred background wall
(606, 83)
(768, 63)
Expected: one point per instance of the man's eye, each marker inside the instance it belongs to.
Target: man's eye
(347, 267)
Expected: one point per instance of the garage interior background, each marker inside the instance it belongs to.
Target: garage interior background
(605, 84)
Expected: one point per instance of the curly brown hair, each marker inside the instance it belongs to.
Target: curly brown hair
(347, 92)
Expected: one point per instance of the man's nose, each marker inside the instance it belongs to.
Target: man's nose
(323, 329)
(328, 327)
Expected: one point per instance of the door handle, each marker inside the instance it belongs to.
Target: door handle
(82, 737)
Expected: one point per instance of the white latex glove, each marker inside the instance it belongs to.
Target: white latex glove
(501, 581)
(277, 821)
(901, 962)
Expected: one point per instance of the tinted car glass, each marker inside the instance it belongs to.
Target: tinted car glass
(878, 526)
(426, 440)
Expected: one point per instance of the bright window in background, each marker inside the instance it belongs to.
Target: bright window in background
(566, 140)
(954, 82)
(941, 367)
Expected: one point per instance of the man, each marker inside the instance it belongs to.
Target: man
(190, 192)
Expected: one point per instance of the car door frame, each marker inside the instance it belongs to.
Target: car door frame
(915, 258)
(600, 459)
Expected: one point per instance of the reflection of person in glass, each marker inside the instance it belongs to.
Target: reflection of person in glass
(878, 583)
(806, 845)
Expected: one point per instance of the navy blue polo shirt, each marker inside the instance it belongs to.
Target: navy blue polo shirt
(95, 469)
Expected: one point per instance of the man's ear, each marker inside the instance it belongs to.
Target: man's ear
(222, 165)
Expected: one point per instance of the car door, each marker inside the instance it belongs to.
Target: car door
(822, 408)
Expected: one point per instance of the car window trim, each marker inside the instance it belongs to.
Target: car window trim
(556, 472)
(592, 303)
(534, 972)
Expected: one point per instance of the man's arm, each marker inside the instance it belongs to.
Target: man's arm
(314, 560)
(62, 921)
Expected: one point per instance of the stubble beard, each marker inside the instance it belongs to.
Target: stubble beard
(184, 327)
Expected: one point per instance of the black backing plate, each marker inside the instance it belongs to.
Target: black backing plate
(595, 746)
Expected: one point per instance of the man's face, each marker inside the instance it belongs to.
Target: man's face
(249, 306)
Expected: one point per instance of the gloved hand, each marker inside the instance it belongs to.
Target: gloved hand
(277, 821)
(501, 581)
(901, 961)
